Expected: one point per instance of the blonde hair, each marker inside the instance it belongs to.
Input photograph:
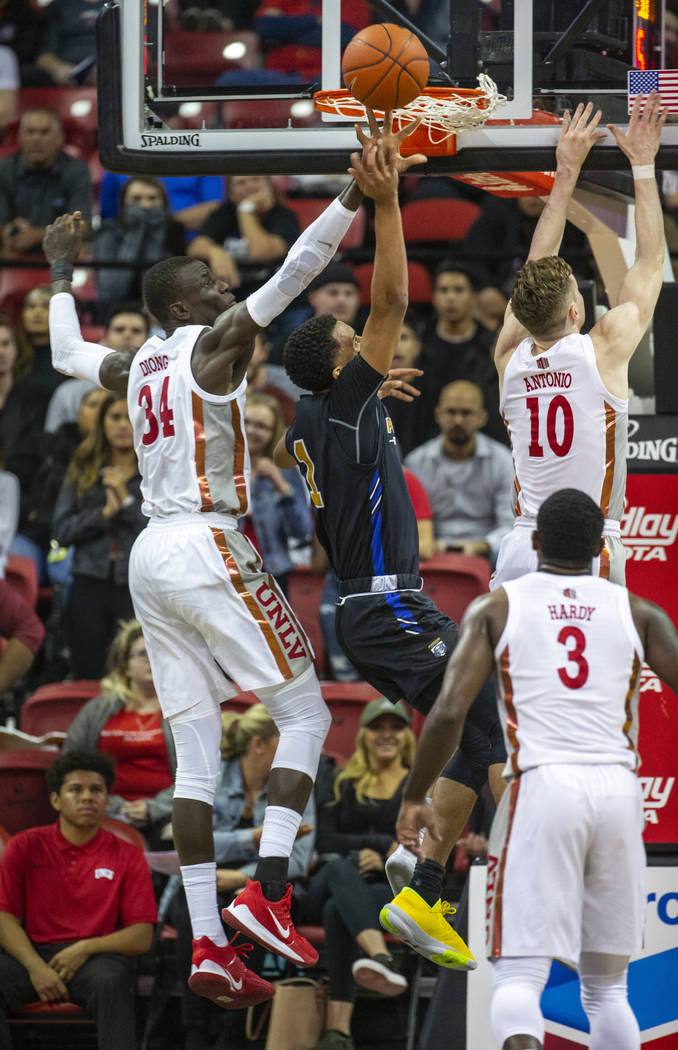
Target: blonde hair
(94, 452)
(273, 405)
(116, 680)
(540, 294)
(238, 728)
(358, 769)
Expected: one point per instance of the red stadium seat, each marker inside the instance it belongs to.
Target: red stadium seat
(54, 706)
(24, 799)
(22, 577)
(15, 284)
(438, 219)
(307, 209)
(125, 832)
(346, 701)
(419, 286)
(199, 58)
(452, 581)
(303, 591)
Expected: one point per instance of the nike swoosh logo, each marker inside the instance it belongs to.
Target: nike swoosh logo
(235, 985)
(328, 244)
(283, 932)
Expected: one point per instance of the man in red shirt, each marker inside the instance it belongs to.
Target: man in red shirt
(20, 625)
(76, 902)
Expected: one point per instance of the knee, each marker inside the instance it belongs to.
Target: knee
(598, 991)
(108, 975)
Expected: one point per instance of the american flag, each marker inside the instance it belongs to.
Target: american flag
(665, 81)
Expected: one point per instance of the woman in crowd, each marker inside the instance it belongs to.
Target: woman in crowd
(99, 512)
(356, 833)
(279, 510)
(125, 722)
(248, 745)
(12, 363)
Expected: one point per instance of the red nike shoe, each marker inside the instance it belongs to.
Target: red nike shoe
(220, 974)
(269, 924)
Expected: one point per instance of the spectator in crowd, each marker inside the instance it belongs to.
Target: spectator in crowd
(127, 328)
(39, 181)
(144, 232)
(356, 833)
(335, 291)
(192, 198)
(456, 347)
(403, 414)
(20, 29)
(490, 307)
(671, 34)
(207, 15)
(279, 510)
(23, 633)
(125, 722)
(99, 511)
(264, 378)
(10, 361)
(467, 475)
(9, 85)
(76, 905)
(250, 229)
(9, 514)
(68, 51)
(248, 745)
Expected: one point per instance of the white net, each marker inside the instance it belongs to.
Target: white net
(443, 116)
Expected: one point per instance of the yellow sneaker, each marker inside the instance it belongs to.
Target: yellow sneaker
(426, 929)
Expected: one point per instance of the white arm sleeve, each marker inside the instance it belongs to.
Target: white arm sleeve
(70, 353)
(307, 257)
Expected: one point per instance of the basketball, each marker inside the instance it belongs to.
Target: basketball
(385, 66)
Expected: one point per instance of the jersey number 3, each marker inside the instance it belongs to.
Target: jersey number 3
(164, 412)
(302, 456)
(575, 655)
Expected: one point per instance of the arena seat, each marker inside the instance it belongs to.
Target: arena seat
(452, 581)
(15, 284)
(304, 589)
(124, 831)
(438, 219)
(24, 799)
(346, 701)
(307, 209)
(22, 576)
(419, 284)
(54, 706)
(199, 58)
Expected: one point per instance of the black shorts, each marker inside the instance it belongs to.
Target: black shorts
(400, 643)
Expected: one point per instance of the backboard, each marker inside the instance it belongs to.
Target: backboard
(178, 101)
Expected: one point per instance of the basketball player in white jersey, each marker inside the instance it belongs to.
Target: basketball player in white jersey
(564, 394)
(206, 607)
(566, 860)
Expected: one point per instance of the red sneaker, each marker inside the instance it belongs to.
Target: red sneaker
(269, 924)
(220, 974)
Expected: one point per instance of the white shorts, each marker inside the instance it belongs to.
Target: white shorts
(566, 864)
(208, 611)
(516, 558)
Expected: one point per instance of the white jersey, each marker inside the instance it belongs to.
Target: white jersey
(568, 663)
(566, 429)
(191, 445)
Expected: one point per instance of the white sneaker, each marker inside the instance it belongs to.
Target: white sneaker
(400, 868)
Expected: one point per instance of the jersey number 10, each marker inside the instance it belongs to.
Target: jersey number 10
(165, 413)
(557, 405)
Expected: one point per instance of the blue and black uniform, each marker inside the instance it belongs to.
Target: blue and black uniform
(398, 640)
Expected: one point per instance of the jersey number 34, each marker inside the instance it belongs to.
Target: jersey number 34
(165, 414)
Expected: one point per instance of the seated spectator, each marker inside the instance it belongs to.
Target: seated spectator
(248, 746)
(250, 229)
(20, 29)
(9, 514)
(279, 509)
(144, 232)
(23, 633)
(125, 722)
(335, 291)
(468, 476)
(68, 51)
(99, 512)
(356, 833)
(490, 307)
(403, 414)
(263, 378)
(191, 198)
(76, 905)
(9, 85)
(39, 182)
(10, 361)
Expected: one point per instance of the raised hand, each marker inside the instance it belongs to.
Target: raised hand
(640, 143)
(63, 239)
(578, 135)
(375, 176)
(396, 384)
(391, 140)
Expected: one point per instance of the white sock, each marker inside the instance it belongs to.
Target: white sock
(200, 884)
(279, 831)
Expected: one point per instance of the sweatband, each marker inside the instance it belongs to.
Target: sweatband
(642, 171)
(308, 256)
(70, 353)
(61, 270)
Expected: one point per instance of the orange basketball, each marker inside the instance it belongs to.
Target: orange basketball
(385, 66)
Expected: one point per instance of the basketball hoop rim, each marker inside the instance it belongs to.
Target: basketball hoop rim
(328, 101)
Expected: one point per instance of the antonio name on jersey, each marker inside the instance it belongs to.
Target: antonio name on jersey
(548, 380)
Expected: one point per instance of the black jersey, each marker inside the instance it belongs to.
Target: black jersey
(345, 445)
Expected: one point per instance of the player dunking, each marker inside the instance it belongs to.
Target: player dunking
(566, 860)
(204, 604)
(344, 442)
(564, 394)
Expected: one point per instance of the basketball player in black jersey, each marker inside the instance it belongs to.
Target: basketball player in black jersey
(344, 442)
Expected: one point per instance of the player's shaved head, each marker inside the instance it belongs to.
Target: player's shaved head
(162, 286)
(570, 526)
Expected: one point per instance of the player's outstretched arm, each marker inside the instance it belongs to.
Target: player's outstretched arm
(71, 354)
(659, 639)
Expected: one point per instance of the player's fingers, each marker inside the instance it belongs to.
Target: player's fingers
(595, 120)
(416, 158)
(372, 120)
(408, 129)
(388, 122)
(362, 137)
(576, 116)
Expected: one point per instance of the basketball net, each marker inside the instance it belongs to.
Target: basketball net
(443, 112)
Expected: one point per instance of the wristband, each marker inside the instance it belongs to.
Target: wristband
(642, 171)
(61, 270)
(247, 206)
